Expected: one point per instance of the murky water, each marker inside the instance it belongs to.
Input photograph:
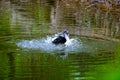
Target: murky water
(26, 51)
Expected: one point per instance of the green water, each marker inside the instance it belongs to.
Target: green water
(19, 63)
(93, 61)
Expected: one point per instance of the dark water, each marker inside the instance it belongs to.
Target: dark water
(25, 55)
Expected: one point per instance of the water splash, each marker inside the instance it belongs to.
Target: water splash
(45, 44)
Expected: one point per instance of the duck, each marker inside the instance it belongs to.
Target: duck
(61, 38)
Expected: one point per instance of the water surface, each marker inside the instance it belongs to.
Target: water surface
(26, 51)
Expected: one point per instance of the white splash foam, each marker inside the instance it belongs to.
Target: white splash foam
(45, 44)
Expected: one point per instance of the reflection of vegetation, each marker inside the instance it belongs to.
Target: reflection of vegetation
(36, 65)
(6, 49)
(41, 15)
(90, 14)
(110, 71)
(4, 24)
(75, 13)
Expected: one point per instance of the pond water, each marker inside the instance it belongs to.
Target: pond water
(26, 51)
(35, 59)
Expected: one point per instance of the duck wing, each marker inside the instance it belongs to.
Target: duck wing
(59, 40)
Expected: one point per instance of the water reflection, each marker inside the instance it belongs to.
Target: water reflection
(35, 65)
(28, 23)
(90, 22)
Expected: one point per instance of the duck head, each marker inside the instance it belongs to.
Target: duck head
(65, 33)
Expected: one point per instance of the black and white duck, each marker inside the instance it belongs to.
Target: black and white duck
(61, 38)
